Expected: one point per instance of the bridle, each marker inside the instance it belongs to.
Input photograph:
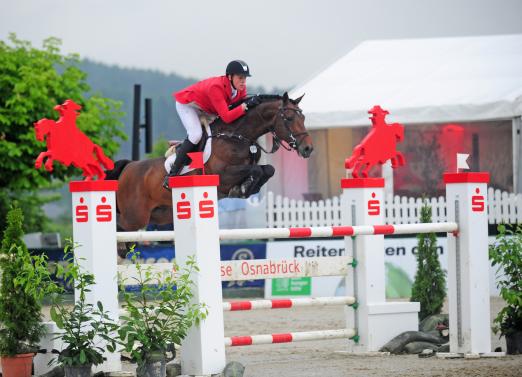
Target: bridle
(295, 139)
(293, 144)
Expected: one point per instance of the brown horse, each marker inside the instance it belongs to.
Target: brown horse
(141, 199)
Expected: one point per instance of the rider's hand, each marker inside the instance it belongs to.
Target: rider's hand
(244, 106)
(253, 102)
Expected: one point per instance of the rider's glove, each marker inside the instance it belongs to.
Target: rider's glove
(253, 102)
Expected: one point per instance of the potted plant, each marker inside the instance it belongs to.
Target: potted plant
(506, 253)
(87, 330)
(25, 281)
(158, 314)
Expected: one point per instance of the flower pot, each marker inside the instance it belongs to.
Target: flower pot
(154, 366)
(17, 366)
(514, 343)
(78, 371)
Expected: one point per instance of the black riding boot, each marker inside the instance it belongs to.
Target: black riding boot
(181, 160)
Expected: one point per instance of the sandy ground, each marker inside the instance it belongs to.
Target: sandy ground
(323, 358)
(328, 358)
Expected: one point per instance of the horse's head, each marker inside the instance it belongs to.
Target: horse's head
(289, 126)
(42, 128)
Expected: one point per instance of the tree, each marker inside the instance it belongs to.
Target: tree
(32, 82)
(159, 148)
(429, 287)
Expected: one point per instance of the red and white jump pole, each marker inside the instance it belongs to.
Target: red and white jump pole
(304, 232)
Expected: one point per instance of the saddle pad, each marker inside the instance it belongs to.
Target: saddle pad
(206, 155)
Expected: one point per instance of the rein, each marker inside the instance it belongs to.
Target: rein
(277, 142)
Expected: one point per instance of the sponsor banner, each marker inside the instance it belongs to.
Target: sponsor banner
(230, 252)
(400, 261)
(283, 268)
(312, 286)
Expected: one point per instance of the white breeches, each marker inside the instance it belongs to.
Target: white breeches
(190, 119)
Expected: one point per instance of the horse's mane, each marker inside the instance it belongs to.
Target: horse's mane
(218, 122)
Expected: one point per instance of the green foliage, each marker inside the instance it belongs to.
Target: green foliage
(32, 82)
(506, 254)
(85, 324)
(159, 148)
(160, 313)
(31, 205)
(429, 286)
(25, 281)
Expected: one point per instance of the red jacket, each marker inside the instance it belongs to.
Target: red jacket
(213, 96)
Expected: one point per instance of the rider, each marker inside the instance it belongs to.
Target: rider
(210, 98)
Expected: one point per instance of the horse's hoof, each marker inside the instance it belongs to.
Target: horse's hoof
(122, 250)
(235, 192)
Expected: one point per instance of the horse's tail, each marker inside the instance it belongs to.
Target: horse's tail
(102, 158)
(114, 174)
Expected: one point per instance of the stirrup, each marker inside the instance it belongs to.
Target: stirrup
(166, 182)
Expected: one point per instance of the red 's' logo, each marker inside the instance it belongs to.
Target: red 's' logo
(103, 211)
(374, 206)
(82, 213)
(477, 202)
(206, 207)
(183, 208)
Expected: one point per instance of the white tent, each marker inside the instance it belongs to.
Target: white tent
(419, 81)
(432, 80)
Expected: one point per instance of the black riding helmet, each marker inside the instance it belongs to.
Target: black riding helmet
(238, 67)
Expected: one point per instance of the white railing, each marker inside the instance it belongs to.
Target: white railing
(503, 207)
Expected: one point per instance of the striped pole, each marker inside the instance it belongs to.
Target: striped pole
(290, 337)
(287, 303)
(307, 232)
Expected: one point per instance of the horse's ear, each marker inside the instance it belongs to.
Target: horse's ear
(297, 100)
(285, 97)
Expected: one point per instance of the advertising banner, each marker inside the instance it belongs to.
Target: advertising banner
(399, 256)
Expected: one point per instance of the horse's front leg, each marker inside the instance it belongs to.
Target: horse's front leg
(40, 158)
(400, 158)
(49, 163)
(245, 177)
(268, 172)
(351, 162)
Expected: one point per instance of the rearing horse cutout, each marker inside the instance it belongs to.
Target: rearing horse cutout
(141, 199)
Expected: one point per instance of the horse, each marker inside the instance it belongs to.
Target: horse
(68, 145)
(141, 199)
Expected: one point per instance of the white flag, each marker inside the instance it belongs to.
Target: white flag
(461, 161)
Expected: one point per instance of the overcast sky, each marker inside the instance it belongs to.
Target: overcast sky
(284, 41)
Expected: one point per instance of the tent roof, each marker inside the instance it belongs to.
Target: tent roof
(419, 81)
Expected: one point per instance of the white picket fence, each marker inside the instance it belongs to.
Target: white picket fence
(503, 207)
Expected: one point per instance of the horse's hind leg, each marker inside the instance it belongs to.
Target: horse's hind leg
(161, 215)
(135, 217)
(98, 171)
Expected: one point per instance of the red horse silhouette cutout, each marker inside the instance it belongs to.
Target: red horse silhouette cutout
(378, 146)
(68, 145)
